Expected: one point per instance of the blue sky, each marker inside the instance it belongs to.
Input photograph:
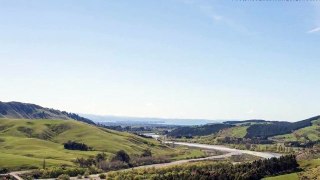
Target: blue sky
(172, 58)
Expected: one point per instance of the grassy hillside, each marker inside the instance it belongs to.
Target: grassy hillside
(18, 110)
(277, 128)
(308, 133)
(253, 131)
(25, 143)
(237, 132)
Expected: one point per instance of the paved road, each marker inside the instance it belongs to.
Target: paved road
(227, 149)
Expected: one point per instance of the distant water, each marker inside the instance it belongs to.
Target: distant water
(146, 120)
(189, 122)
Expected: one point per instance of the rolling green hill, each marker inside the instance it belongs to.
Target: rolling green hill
(25, 143)
(305, 130)
(303, 133)
(18, 110)
(310, 133)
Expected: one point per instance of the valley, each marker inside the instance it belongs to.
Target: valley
(50, 147)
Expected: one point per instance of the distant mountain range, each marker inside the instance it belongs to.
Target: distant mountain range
(123, 120)
(18, 110)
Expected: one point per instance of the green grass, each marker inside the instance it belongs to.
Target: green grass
(186, 153)
(312, 133)
(308, 133)
(12, 161)
(292, 176)
(25, 143)
(237, 132)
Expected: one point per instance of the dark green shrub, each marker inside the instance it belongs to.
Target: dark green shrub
(72, 145)
(122, 156)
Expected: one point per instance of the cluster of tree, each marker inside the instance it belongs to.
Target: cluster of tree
(213, 170)
(78, 118)
(91, 161)
(121, 160)
(277, 128)
(247, 121)
(72, 145)
(189, 131)
(235, 140)
(307, 144)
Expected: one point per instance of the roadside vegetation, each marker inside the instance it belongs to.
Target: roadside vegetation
(213, 170)
(97, 164)
(301, 138)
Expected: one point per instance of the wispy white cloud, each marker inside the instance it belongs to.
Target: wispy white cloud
(314, 30)
(210, 12)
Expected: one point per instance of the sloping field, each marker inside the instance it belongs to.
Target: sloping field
(26, 143)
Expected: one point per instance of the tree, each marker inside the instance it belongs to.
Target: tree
(122, 156)
(72, 145)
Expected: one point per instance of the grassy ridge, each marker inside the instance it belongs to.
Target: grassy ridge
(308, 133)
(25, 143)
